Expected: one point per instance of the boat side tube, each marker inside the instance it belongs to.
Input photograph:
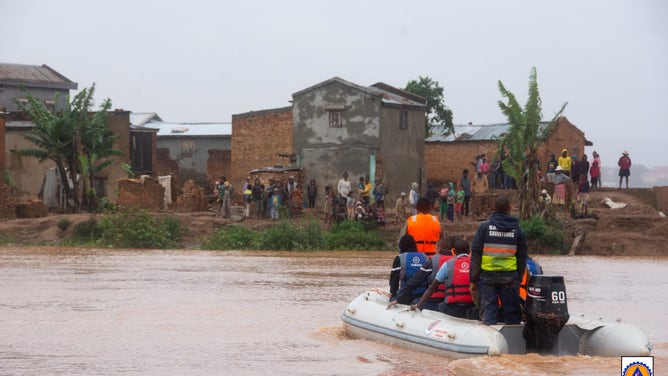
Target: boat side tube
(368, 317)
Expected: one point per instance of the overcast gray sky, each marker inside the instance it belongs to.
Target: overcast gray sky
(205, 60)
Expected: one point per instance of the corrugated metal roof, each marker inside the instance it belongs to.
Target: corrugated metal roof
(191, 129)
(141, 118)
(34, 74)
(468, 132)
(478, 132)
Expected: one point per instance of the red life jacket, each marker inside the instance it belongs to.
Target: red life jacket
(457, 283)
(436, 261)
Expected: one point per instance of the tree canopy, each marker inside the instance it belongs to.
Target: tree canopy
(437, 112)
(520, 144)
(78, 142)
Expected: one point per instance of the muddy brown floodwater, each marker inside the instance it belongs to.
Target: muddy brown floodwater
(135, 312)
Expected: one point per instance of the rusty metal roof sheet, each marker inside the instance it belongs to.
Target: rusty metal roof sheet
(34, 75)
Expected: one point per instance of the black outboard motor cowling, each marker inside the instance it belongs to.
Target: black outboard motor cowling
(546, 312)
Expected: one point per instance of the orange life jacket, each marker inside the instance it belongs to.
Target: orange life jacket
(426, 230)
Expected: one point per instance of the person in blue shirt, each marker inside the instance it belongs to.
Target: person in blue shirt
(454, 274)
(426, 275)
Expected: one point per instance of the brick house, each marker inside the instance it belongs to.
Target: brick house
(446, 157)
(260, 139)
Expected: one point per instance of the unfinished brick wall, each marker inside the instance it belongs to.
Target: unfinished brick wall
(661, 199)
(257, 140)
(148, 195)
(7, 201)
(444, 161)
(219, 164)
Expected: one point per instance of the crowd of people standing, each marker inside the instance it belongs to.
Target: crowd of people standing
(452, 201)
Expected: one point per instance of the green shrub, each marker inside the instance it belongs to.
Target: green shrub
(543, 236)
(63, 224)
(232, 237)
(6, 239)
(281, 237)
(172, 226)
(354, 235)
(310, 236)
(136, 228)
(302, 236)
(85, 232)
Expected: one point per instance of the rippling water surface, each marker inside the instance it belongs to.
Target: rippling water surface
(123, 312)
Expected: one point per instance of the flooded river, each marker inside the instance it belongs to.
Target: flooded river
(135, 312)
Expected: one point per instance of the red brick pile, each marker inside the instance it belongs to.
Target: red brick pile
(192, 199)
(31, 209)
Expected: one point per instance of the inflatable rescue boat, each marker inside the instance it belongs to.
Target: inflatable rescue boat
(548, 330)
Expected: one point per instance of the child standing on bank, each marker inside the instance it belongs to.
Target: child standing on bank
(459, 206)
(583, 194)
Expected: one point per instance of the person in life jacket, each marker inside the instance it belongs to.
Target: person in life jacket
(454, 273)
(403, 266)
(424, 227)
(426, 275)
(498, 261)
(533, 268)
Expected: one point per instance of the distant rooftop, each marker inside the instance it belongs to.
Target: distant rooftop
(174, 129)
(192, 129)
(34, 75)
(387, 93)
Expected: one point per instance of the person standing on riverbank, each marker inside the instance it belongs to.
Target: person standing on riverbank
(400, 208)
(624, 164)
(343, 187)
(464, 184)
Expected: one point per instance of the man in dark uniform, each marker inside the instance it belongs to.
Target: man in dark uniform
(498, 260)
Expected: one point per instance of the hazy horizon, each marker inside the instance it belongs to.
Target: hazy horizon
(205, 60)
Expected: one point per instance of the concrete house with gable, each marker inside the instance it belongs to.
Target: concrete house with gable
(375, 130)
(447, 156)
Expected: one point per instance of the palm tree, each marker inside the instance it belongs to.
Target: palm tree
(527, 132)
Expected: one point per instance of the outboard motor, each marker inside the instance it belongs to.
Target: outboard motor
(546, 312)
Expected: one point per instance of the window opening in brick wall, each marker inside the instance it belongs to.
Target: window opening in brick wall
(99, 184)
(187, 148)
(335, 117)
(140, 152)
(50, 105)
(403, 119)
